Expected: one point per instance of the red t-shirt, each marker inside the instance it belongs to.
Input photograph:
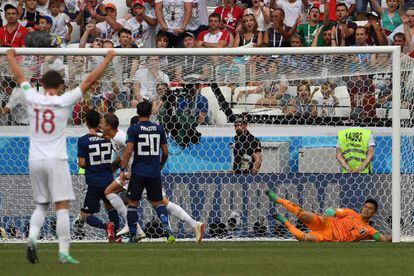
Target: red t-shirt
(206, 36)
(332, 10)
(14, 39)
(230, 16)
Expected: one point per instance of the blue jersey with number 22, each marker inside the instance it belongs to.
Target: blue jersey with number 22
(97, 152)
(147, 138)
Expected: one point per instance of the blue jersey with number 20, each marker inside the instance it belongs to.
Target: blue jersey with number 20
(147, 138)
(97, 152)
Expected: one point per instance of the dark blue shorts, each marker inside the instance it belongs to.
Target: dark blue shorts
(152, 185)
(92, 203)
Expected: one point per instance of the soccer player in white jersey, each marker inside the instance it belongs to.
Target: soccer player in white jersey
(118, 138)
(49, 169)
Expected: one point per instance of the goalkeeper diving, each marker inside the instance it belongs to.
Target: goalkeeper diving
(336, 225)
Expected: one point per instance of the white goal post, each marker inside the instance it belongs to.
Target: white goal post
(392, 51)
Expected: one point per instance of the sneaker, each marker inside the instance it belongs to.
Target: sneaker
(272, 195)
(199, 231)
(67, 259)
(123, 231)
(280, 218)
(110, 231)
(32, 252)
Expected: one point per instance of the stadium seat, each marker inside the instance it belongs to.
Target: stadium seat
(292, 91)
(75, 35)
(125, 115)
(251, 100)
(341, 92)
(382, 113)
(342, 111)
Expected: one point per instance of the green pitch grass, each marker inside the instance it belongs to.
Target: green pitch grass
(216, 258)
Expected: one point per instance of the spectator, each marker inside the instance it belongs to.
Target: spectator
(362, 93)
(173, 18)
(407, 26)
(361, 8)
(302, 106)
(16, 105)
(108, 29)
(230, 15)
(42, 6)
(146, 80)
(90, 10)
(143, 24)
(343, 31)
(192, 104)
(248, 36)
(125, 39)
(188, 66)
(29, 15)
(199, 18)
(401, 40)
(279, 34)
(247, 149)
(294, 9)
(214, 37)
(308, 30)
(261, 13)
(323, 37)
(12, 34)
(96, 43)
(376, 36)
(61, 26)
(355, 150)
(45, 25)
(71, 8)
(390, 17)
(326, 104)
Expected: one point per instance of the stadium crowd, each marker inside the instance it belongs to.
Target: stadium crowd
(195, 23)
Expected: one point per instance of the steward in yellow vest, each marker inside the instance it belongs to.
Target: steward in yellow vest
(355, 150)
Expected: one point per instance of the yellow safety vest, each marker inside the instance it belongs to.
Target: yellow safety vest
(354, 144)
(81, 171)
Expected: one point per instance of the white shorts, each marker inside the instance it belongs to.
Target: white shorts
(51, 180)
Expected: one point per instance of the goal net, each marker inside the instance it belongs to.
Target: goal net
(294, 102)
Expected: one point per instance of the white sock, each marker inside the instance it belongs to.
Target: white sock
(117, 202)
(37, 220)
(178, 212)
(63, 230)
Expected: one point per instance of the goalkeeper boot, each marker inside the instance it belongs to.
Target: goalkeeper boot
(32, 251)
(67, 259)
(169, 235)
(199, 231)
(280, 218)
(272, 195)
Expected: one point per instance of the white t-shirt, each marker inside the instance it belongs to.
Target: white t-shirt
(59, 24)
(18, 106)
(262, 26)
(48, 117)
(43, 9)
(292, 11)
(149, 82)
(143, 34)
(107, 32)
(399, 29)
(199, 15)
(173, 12)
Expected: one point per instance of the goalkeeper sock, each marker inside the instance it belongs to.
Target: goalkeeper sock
(63, 230)
(291, 207)
(118, 204)
(132, 218)
(163, 216)
(295, 231)
(37, 220)
(95, 222)
(178, 212)
(113, 216)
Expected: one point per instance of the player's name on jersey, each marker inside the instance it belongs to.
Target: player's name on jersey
(148, 128)
(96, 138)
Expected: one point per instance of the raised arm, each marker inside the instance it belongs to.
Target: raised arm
(376, 7)
(14, 66)
(97, 72)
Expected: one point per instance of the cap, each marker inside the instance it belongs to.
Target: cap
(48, 19)
(9, 6)
(188, 34)
(138, 2)
(110, 6)
(373, 13)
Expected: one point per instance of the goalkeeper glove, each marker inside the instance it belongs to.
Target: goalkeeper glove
(330, 212)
